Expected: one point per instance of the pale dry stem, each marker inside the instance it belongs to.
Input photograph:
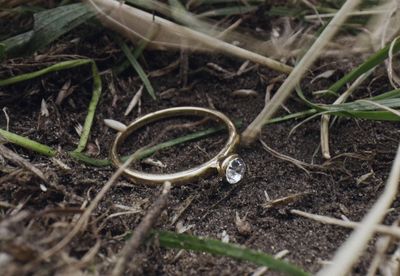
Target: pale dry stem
(381, 229)
(135, 23)
(325, 119)
(251, 132)
(141, 231)
(349, 252)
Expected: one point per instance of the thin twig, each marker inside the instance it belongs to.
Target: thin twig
(17, 159)
(82, 222)
(141, 231)
(382, 229)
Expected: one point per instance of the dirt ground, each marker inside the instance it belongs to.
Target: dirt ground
(359, 147)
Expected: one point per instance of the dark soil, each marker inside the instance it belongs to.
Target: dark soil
(360, 146)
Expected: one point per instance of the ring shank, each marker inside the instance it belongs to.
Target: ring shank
(185, 176)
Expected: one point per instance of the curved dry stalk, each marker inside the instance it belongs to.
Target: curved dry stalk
(326, 118)
(381, 246)
(251, 132)
(393, 77)
(135, 24)
(300, 164)
(349, 252)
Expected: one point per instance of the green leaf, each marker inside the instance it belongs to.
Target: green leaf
(2, 51)
(180, 140)
(27, 143)
(135, 64)
(49, 25)
(53, 68)
(370, 63)
(359, 109)
(183, 241)
(96, 91)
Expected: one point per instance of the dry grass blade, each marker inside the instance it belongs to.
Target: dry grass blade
(283, 201)
(382, 229)
(15, 158)
(381, 246)
(326, 118)
(349, 252)
(251, 132)
(300, 164)
(142, 231)
(135, 24)
(134, 101)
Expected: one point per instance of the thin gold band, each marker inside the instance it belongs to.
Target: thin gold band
(217, 163)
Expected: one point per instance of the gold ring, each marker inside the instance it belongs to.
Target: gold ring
(228, 164)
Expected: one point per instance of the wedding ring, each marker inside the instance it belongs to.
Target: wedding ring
(226, 163)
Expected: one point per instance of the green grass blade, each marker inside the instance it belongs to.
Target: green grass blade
(292, 116)
(48, 26)
(79, 156)
(359, 109)
(370, 63)
(183, 241)
(180, 140)
(135, 64)
(369, 115)
(48, 151)
(27, 143)
(53, 68)
(388, 95)
(96, 92)
(15, 44)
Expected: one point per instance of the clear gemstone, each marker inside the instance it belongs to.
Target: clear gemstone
(235, 170)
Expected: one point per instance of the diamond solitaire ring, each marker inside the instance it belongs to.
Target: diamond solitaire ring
(226, 163)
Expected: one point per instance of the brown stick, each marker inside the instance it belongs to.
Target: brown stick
(141, 231)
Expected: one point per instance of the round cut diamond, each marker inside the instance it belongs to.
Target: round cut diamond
(235, 170)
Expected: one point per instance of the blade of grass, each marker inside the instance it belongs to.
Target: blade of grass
(137, 51)
(292, 116)
(135, 64)
(48, 151)
(325, 119)
(64, 65)
(48, 26)
(183, 241)
(96, 91)
(28, 143)
(370, 63)
(360, 109)
(168, 144)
